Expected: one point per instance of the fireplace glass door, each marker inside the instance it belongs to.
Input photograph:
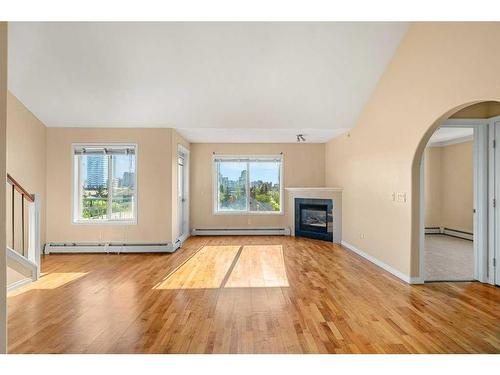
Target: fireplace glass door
(313, 218)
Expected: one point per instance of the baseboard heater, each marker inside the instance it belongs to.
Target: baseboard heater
(459, 234)
(109, 247)
(433, 230)
(242, 232)
(450, 232)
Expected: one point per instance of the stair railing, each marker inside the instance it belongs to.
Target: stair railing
(30, 250)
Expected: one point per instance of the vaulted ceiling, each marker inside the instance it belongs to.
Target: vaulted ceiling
(215, 82)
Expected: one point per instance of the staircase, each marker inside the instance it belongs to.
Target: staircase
(23, 252)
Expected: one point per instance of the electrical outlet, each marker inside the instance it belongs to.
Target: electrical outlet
(362, 236)
(399, 197)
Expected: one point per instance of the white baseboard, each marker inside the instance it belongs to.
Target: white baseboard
(177, 244)
(242, 232)
(386, 267)
(459, 234)
(21, 264)
(18, 284)
(88, 247)
(416, 280)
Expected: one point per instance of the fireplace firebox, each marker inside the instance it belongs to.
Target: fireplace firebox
(314, 218)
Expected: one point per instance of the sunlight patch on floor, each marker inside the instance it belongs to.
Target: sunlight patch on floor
(49, 281)
(215, 267)
(205, 270)
(258, 267)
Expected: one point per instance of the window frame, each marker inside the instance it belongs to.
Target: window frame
(77, 195)
(215, 186)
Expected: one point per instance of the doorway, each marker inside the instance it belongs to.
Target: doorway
(450, 237)
(182, 194)
(460, 224)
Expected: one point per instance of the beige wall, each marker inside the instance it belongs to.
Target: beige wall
(457, 186)
(303, 167)
(13, 276)
(25, 161)
(438, 69)
(154, 184)
(3, 165)
(433, 187)
(449, 186)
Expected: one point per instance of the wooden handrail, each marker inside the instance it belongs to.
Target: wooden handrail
(29, 197)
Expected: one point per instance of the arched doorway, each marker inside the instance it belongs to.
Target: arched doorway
(483, 118)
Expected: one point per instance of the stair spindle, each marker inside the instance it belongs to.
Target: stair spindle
(13, 216)
(22, 222)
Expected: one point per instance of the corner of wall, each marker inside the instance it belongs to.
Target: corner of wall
(3, 165)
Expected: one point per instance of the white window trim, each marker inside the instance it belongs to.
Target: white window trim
(215, 187)
(76, 198)
(187, 160)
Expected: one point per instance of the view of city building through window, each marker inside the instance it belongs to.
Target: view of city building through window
(106, 183)
(251, 185)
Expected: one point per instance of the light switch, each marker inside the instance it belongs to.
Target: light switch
(401, 197)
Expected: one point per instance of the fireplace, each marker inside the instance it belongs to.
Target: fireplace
(314, 218)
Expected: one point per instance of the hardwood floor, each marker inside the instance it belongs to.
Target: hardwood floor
(259, 267)
(207, 268)
(238, 296)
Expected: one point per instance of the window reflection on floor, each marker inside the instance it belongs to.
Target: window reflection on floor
(259, 266)
(230, 267)
(206, 269)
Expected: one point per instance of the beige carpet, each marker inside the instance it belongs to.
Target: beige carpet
(448, 258)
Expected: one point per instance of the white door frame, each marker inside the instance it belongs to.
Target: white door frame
(183, 225)
(480, 201)
(494, 161)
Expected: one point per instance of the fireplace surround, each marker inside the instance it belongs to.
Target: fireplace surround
(333, 196)
(314, 218)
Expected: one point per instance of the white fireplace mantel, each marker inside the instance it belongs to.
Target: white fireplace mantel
(317, 189)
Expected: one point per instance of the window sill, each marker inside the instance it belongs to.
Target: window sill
(105, 222)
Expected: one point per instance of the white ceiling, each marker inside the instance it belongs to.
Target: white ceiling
(217, 82)
(444, 136)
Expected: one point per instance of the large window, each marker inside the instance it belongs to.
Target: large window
(105, 184)
(248, 184)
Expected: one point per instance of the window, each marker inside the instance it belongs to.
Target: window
(105, 183)
(248, 184)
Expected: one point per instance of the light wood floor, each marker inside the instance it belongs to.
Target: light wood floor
(242, 295)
